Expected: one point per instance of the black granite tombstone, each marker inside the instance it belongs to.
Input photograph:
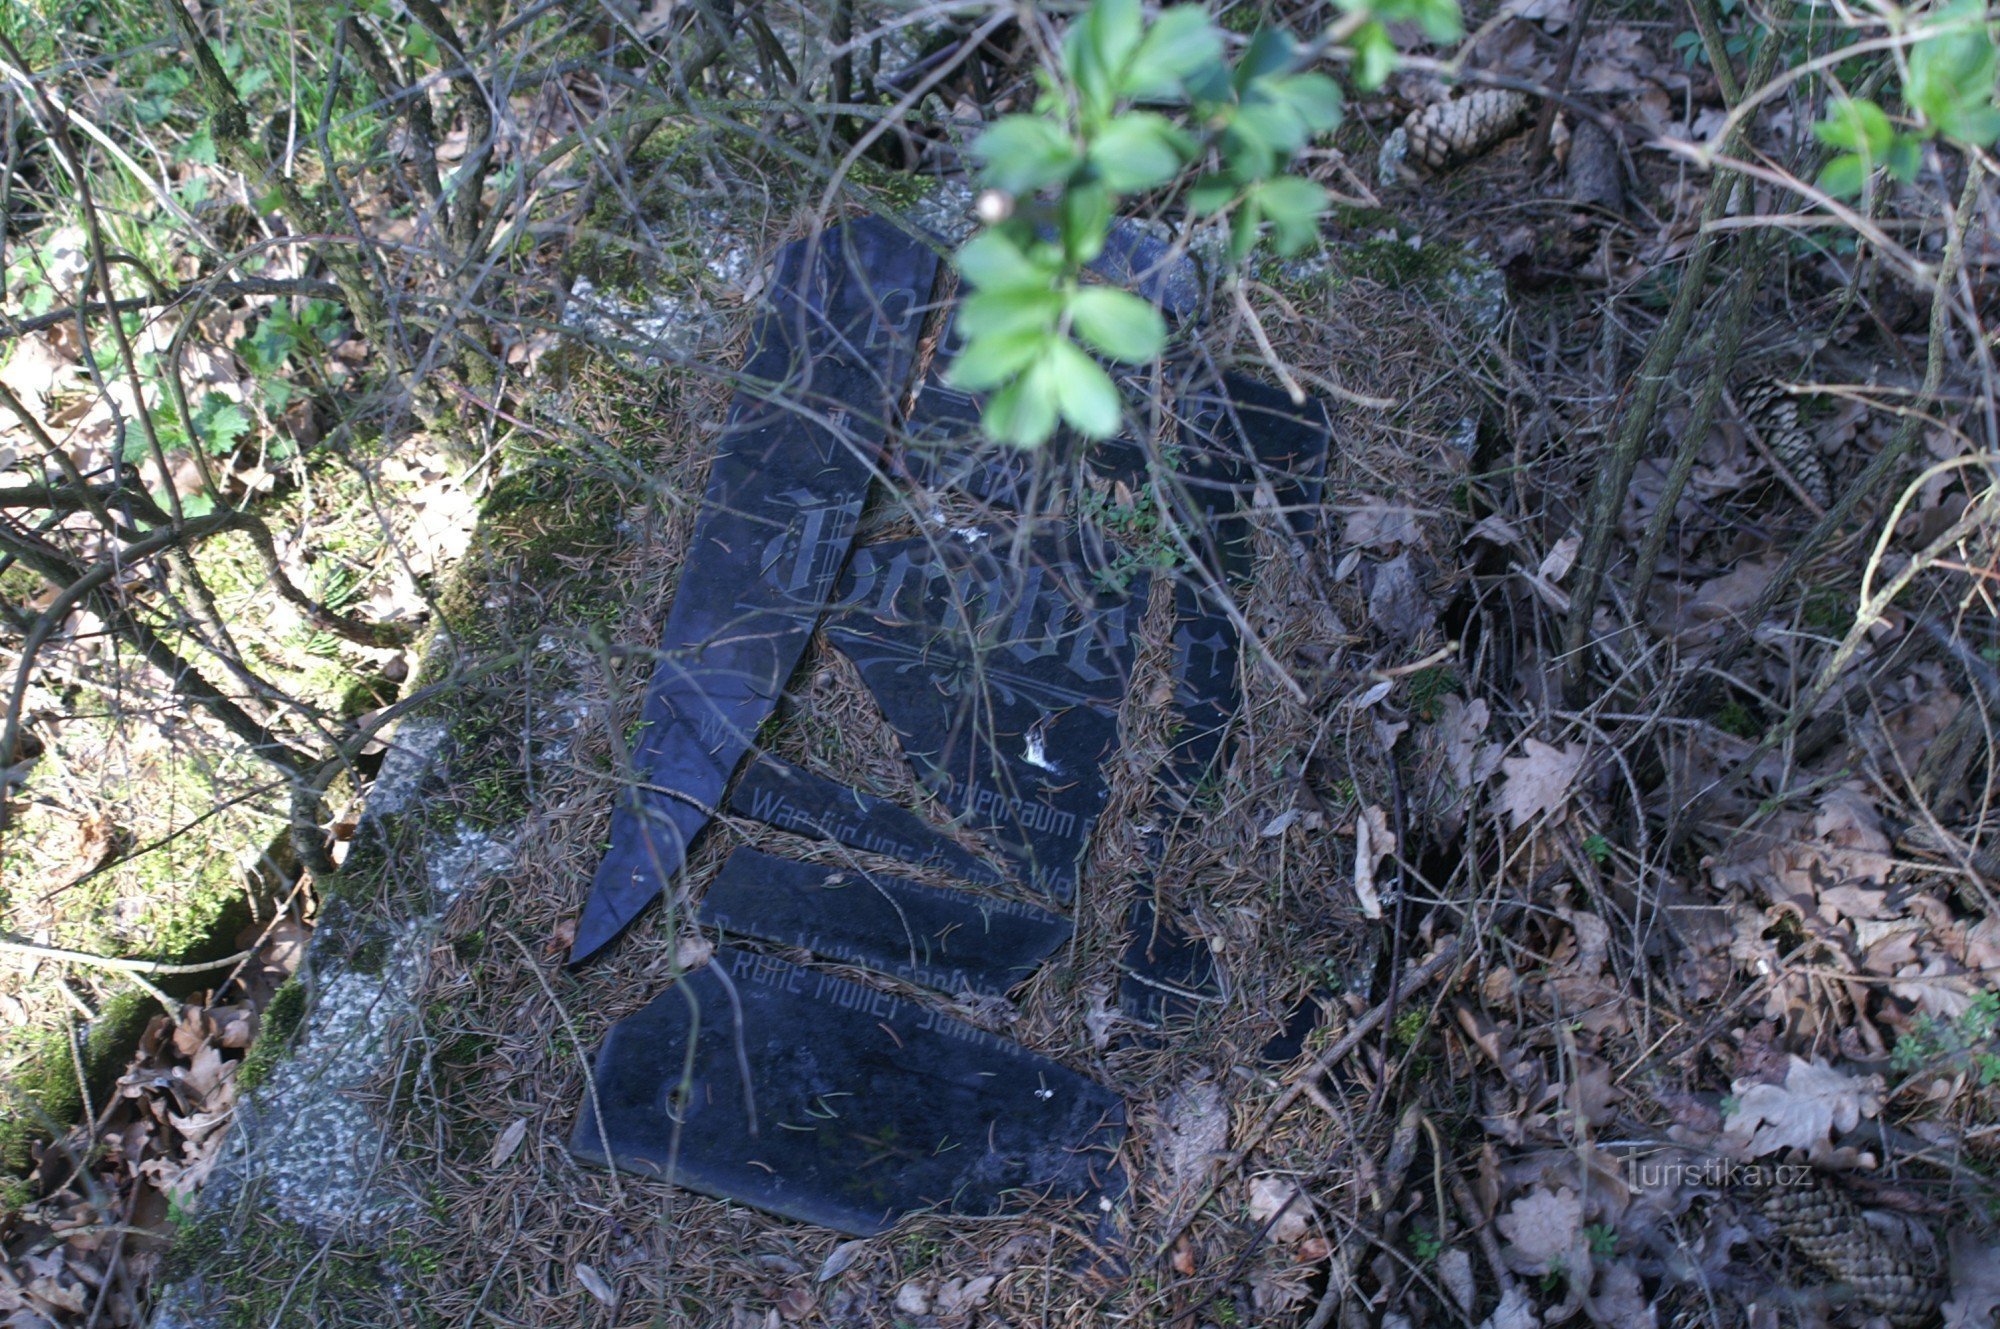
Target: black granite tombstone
(954, 941)
(1001, 669)
(833, 350)
(779, 794)
(818, 1099)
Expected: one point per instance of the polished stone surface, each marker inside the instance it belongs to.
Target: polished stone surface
(833, 349)
(822, 1100)
(1001, 668)
(781, 795)
(954, 941)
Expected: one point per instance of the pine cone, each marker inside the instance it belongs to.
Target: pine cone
(1447, 133)
(1774, 414)
(1826, 1227)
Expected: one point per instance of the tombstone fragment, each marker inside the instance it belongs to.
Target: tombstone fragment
(954, 941)
(818, 1099)
(780, 794)
(1001, 671)
(1235, 434)
(833, 349)
(1165, 974)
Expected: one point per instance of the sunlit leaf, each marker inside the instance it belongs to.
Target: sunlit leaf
(1139, 150)
(1085, 394)
(1118, 323)
(1178, 45)
(1023, 153)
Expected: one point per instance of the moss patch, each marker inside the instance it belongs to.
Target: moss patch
(280, 1022)
(43, 1096)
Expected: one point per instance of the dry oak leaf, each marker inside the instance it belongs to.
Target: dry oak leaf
(1373, 841)
(1975, 1283)
(1621, 1301)
(1542, 1227)
(1814, 1101)
(1538, 781)
(1515, 1311)
(1376, 524)
(1275, 1197)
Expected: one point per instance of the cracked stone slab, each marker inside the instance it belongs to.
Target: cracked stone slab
(1001, 665)
(782, 795)
(832, 351)
(316, 1152)
(821, 1100)
(954, 941)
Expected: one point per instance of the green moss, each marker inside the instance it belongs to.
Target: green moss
(267, 1265)
(897, 190)
(280, 1021)
(42, 1096)
(1829, 611)
(1733, 717)
(1394, 264)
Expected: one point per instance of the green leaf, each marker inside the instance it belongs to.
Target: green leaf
(1180, 44)
(1085, 394)
(1844, 176)
(1211, 193)
(1313, 98)
(1906, 154)
(1439, 19)
(1244, 228)
(1294, 206)
(1856, 124)
(1952, 73)
(220, 422)
(1023, 153)
(199, 148)
(1008, 309)
(1118, 324)
(1095, 51)
(1139, 150)
(1085, 221)
(987, 362)
(1375, 56)
(1260, 135)
(1270, 52)
(991, 261)
(1024, 412)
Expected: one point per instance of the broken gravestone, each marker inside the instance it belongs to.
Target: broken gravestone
(1000, 655)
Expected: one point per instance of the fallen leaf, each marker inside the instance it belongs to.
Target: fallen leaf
(1975, 1283)
(1538, 781)
(1279, 824)
(1515, 1311)
(1541, 1228)
(1397, 603)
(595, 1284)
(1455, 1272)
(839, 1260)
(1275, 1197)
(1373, 842)
(1621, 1301)
(1377, 525)
(1470, 759)
(1729, 595)
(509, 1141)
(960, 1295)
(1814, 1101)
(1560, 559)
